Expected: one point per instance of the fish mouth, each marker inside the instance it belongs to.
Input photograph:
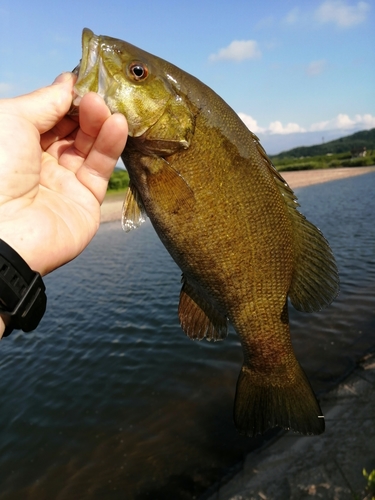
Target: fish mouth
(92, 75)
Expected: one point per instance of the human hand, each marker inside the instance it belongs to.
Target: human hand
(54, 172)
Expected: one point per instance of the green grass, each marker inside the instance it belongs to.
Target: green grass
(369, 491)
(353, 142)
(370, 488)
(322, 161)
(118, 182)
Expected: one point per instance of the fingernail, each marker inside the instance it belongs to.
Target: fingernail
(64, 77)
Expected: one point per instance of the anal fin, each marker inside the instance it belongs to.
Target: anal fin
(198, 318)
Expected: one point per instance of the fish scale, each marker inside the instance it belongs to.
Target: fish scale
(228, 219)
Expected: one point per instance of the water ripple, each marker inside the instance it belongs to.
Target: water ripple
(108, 395)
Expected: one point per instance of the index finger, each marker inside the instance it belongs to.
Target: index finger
(93, 112)
(101, 160)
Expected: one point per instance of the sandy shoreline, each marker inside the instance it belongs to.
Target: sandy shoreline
(304, 178)
(112, 205)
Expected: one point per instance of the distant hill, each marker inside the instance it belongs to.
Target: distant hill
(354, 142)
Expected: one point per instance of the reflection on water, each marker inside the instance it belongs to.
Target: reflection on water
(108, 398)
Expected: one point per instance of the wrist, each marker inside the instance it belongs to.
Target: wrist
(24, 249)
(22, 293)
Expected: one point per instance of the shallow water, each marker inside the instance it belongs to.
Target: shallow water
(108, 398)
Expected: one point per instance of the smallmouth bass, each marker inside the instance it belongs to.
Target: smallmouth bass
(228, 219)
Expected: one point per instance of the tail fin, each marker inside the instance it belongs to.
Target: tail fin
(263, 402)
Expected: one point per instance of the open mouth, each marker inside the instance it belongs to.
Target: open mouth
(91, 72)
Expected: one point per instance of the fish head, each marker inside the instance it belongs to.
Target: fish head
(138, 85)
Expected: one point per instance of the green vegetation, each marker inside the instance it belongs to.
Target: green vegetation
(119, 181)
(351, 143)
(323, 161)
(345, 152)
(370, 488)
(369, 492)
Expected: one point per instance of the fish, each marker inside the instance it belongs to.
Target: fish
(228, 219)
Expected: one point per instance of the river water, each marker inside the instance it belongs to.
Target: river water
(108, 399)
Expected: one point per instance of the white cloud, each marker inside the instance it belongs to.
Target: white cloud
(251, 123)
(293, 16)
(315, 68)
(238, 50)
(367, 120)
(275, 127)
(344, 122)
(341, 13)
(290, 128)
(340, 122)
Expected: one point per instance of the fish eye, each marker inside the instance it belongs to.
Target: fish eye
(138, 71)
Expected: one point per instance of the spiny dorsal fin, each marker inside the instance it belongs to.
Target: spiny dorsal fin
(198, 318)
(133, 212)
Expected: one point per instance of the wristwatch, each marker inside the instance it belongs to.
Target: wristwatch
(22, 292)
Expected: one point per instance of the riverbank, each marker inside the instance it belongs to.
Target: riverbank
(112, 205)
(328, 466)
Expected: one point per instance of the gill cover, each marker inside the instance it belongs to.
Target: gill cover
(131, 84)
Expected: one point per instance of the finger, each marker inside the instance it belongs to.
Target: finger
(99, 164)
(44, 107)
(93, 112)
(61, 130)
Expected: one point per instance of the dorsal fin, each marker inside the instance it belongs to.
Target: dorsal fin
(315, 281)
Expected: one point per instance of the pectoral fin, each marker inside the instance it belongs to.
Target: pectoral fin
(199, 318)
(167, 187)
(133, 211)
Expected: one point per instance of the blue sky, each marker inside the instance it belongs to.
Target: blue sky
(296, 71)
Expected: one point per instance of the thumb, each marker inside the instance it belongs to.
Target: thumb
(46, 106)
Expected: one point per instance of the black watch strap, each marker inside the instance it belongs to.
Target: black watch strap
(22, 292)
